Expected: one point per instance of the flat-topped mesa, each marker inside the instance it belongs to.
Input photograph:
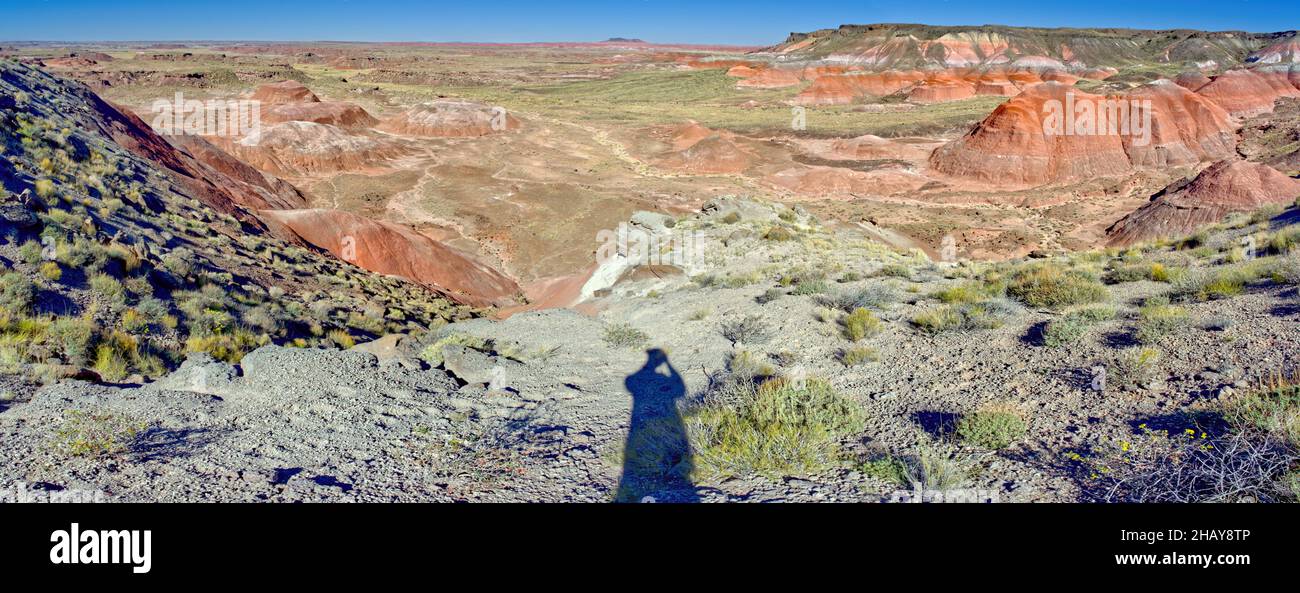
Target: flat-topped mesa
(1249, 92)
(928, 86)
(1033, 138)
(1222, 188)
(450, 118)
(399, 251)
(283, 93)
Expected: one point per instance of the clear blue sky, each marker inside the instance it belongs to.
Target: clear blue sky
(752, 22)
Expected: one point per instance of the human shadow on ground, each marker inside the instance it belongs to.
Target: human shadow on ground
(657, 459)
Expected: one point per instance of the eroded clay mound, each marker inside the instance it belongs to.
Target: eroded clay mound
(1192, 81)
(1251, 92)
(1012, 145)
(396, 250)
(869, 147)
(450, 118)
(274, 193)
(1223, 188)
(301, 148)
(697, 149)
(283, 93)
(839, 181)
(342, 114)
(1285, 50)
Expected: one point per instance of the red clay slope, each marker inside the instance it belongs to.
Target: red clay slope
(1224, 187)
(396, 250)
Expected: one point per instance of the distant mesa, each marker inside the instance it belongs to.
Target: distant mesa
(280, 93)
(450, 118)
(396, 250)
(623, 40)
(1222, 188)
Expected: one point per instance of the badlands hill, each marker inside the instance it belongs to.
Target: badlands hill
(912, 46)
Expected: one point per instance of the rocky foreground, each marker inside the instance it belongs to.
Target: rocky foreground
(897, 374)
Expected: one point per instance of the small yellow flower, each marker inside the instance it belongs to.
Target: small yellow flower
(1123, 446)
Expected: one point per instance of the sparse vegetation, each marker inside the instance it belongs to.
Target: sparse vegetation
(750, 329)
(994, 426)
(96, 434)
(860, 324)
(1051, 286)
(623, 335)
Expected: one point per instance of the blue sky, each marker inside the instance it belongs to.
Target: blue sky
(753, 22)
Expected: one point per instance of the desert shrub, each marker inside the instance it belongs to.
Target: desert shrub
(880, 296)
(1224, 282)
(860, 324)
(769, 295)
(17, 293)
(1192, 467)
(1051, 286)
(81, 254)
(179, 262)
(96, 434)
(1157, 319)
(779, 233)
(994, 426)
(51, 271)
(1272, 407)
(701, 314)
(856, 355)
(744, 366)
(109, 289)
(779, 428)
(114, 355)
(1285, 240)
(939, 319)
(623, 335)
(341, 338)
(888, 469)
(432, 353)
(750, 329)
(970, 292)
(894, 271)
(937, 466)
(73, 336)
(810, 287)
(1154, 271)
(229, 347)
(1072, 326)
(1134, 366)
(30, 252)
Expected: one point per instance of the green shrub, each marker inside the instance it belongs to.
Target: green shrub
(109, 289)
(1134, 366)
(779, 429)
(851, 357)
(17, 293)
(623, 335)
(860, 324)
(1273, 408)
(888, 469)
(72, 336)
(995, 426)
(1051, 286)
(230, 347)
(1071, 327)
(1158, 319)
(85, 434)
(432, 353)
(51, 271)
